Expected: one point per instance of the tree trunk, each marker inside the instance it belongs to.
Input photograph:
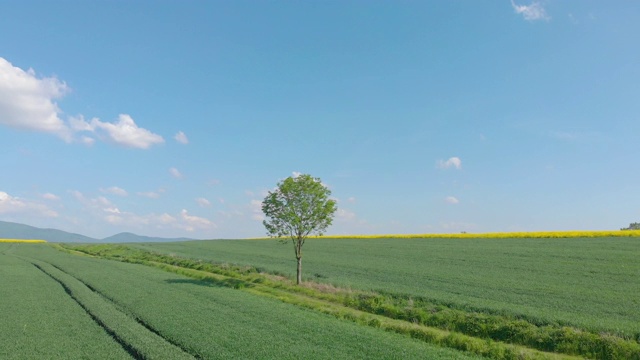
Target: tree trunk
(299, 278)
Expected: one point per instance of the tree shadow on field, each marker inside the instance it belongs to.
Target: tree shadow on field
(228, 283)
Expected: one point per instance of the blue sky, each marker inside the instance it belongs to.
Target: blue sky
(174, 118)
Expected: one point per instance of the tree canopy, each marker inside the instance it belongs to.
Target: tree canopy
(299, 206)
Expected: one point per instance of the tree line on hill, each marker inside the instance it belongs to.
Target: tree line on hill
(632, 226)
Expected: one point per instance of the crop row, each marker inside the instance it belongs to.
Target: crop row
(331, 303)
(139, 341)
(549, 338)
(213, 322)
(587, 283)
(40, 321)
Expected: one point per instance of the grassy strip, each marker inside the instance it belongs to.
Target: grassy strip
(139, 341)
(559, 339)
(25, 241)
(483, 347)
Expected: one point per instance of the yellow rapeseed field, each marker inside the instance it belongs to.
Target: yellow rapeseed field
(499, 235)
(496, 235)
(30, 241)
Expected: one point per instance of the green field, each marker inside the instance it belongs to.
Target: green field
(374, 298)
(591, 283)
(83, 303)
(40, 320)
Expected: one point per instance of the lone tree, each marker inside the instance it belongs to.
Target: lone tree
(298, 207)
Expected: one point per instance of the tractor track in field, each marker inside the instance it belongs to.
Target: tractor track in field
(133, 352)
(131, 349)
(133, 316)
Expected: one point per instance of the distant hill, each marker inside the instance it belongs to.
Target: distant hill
(11, 230)
(130, 237)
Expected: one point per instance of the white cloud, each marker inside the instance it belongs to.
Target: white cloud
(114, 190)
(28, 102)
(203, 202)
(15, 205)
(124, 132)
(50, 196)
(192, 223)
(534, 11)
(181, 138)
(454, 162)
(451, 200)
(351, 199)
(295, 174)
(112, 210)
(175, 173)
(105, 210)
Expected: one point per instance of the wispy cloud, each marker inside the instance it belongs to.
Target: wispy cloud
(98, 204)
(11, 205)
(123, 132)
(181, 138)
(452, 200)
(532, 12)
(183, 221)
(452, 162)
(50, 196)
(114, 190)
(176, 173)
(203, 202)
(191, 222)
